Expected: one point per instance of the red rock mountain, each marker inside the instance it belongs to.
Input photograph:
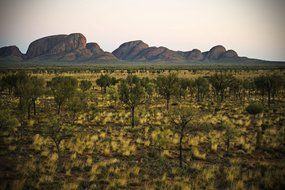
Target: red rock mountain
(10, 51)
(70, 47)
(140, 51)
(73, 47)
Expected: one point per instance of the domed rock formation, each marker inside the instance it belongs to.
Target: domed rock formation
(73, 47)
(230, 54)
(10, 51)
(98, 53)
(216, 52)
(129, 50)
(156, 53)
(195, 55)
(94, 48)
(55, 45)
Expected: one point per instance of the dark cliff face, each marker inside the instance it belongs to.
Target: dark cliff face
(55, 45)
(73, 47)
(10, 51)
(194, 55)
(130, 50)
(230, 54)
(215, 52)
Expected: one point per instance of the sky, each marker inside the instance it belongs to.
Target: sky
(253, 28)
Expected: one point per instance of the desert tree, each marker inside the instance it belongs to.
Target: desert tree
(254, 109)
(248, 87)
(9, 83)
(230, 133)
(201, 86)
(184, 87)
(23, 90)
(167, 86)
(76, 104)
(105, 81)
(112, 92)
(37, 90)
(62, 89)
(269, 84)
(8, 123)
(235, 87)
(57, 132)
(220, 82)
(132, 93)
(85, 85)
(182, 120)
(149, 88)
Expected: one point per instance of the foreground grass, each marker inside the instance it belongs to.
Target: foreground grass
(106, 153)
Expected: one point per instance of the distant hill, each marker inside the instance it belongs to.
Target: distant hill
(73, 48)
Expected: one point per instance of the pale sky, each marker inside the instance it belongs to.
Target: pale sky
(254, 28)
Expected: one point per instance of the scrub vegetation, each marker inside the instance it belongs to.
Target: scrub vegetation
(142, 128)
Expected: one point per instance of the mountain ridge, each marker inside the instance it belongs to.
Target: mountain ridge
(74, 48)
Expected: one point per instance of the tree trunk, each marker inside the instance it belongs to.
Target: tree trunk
(180, 147)
(29, 111)
(59, 156)
(180, 151)
(258, 138)
(269, 97)
(228, 144)
(133, 116)
(34, 105)
(167, 103)
(58, 109)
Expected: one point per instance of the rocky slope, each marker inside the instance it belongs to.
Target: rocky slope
(73, 47)
(11, 51)
(140, 51)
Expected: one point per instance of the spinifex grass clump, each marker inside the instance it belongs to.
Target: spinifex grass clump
(254, 108)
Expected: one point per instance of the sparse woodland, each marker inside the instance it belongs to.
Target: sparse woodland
(142, 129)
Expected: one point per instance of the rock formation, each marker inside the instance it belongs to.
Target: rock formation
(194, 55)
(73, 47)
(230, 54)
(56, 45)
(10, 51)
(215, 52)
(130, 50)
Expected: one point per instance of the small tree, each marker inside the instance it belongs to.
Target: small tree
(8, 123)
(235, 87)
(9, 83)
(23, 89)
(230, 133)
(57, 132)
(37, 90)
(254, 109)
(149, 88)
(167, 86)
(113, 94)
(269, 84)
(77, 104)
(184, 86)
(220, 82)
(248, 86)
(85, 85)
(105, 81)
(62, 89)
(201, 86)
(181, 118)
(132, 94)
